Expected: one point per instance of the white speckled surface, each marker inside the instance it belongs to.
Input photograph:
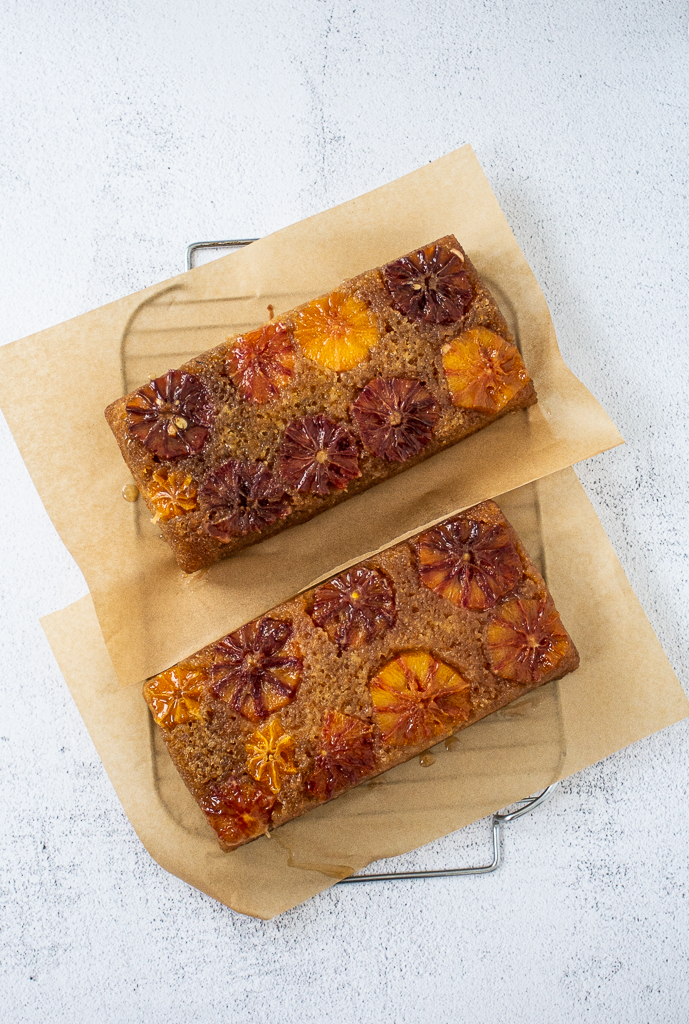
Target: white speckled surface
(128, 131)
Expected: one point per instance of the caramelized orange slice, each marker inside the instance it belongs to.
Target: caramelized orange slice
(257, 669)
(416, 697)
(395, 417)
(430, 285)
(174, 697)
(271, 755)
(261, 363)
(171, 415)
(526, 639)
(470, 563)
(354, 607)
(172, 494)
(345, 755)
(337, 331)
(238, 809)
(484, 372)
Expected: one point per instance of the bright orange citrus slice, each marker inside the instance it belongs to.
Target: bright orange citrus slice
(484, 372)
(174, 697)
(336, 331)
(416, 697)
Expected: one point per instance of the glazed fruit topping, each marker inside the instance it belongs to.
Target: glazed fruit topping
(526, 639)
(238, 809)
(240, 498)
(270, 755)
(416, 697)
(318, 455)
(174, 697)
(430, 285)
(337, 331)
(395, 417)
(171, 494)
(171, 415)
(257, 669)
(354, 607)
(470, 563)
(484, 372)
(345, 755)
(261, 363)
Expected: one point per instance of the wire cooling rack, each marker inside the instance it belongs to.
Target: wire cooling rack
(500, 818)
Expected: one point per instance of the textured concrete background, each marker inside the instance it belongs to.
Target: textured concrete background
(130, 130)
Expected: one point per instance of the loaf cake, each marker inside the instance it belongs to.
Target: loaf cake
(359, 674)
(275, 425)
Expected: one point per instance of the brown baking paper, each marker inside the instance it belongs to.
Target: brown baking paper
(623, 690)
(55, 385)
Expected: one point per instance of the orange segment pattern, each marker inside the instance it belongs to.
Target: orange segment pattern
(238, 809)
(345, 755)
(526, 639)
(171, 494)
(416, 697)
(271, 755)
(337, 331)
(257, 668)
(471, 564)
(174, 697)
(261, 363)
(484, 372)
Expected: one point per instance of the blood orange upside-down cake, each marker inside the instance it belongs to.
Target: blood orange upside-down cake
(360, 673)
(280, 423)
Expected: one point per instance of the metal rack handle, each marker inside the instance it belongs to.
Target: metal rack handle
(228, 243)
(499, 819)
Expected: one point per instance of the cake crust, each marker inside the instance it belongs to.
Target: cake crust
(225, 450)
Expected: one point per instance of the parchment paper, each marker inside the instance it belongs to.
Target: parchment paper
(55, 385)
(623, 690)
